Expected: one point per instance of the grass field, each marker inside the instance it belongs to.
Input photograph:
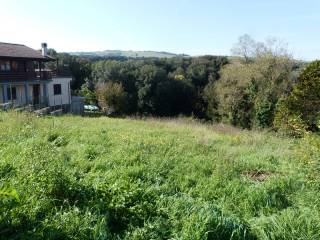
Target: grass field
(102, 178)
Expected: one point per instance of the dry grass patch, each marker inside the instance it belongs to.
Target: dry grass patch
(258, 175)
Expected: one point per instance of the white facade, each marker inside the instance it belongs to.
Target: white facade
(28, 92)
(59, 98)
(20, 95)
(55, 92)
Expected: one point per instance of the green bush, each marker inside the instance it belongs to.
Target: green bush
(288, 123)
(111, 97)
(300, 111)
(264, 114)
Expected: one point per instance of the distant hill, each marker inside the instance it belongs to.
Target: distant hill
(127, 54)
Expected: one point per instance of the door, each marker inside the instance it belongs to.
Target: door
(36, 94)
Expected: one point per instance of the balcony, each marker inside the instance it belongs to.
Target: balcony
(44, 75)
(26, 76)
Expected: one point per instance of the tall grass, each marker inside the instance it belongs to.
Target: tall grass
(101, 178)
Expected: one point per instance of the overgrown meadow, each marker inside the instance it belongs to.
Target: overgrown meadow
(102, 178)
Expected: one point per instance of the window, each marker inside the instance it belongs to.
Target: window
(57, 89)
(14, 66)
(5, 66)
(12, 93)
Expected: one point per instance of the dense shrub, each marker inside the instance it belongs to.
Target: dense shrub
(288, 123)
(302, 106)
(250, 86)
(233, 97)
(111, 97)
(264, 113)
(89, 95)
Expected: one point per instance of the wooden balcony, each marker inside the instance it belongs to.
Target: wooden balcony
(25, 76)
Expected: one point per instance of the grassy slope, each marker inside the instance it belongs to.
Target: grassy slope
(85, 178)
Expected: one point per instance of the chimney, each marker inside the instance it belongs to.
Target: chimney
(44, 49)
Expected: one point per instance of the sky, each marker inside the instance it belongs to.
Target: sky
(194, 27)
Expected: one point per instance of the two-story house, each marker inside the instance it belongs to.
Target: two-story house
(25, 81)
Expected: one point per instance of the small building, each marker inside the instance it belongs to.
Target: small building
(24, 80)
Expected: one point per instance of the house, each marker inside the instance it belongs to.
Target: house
(24, 80)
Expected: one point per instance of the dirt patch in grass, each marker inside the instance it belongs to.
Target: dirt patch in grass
(258, 175)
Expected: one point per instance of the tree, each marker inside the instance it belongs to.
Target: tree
(88, 94)
(232, 99)
(303, 103)
(149, 77)
(249, 49)
(199, 73)
(80, 70)
(250, 87)
(173, 97)
(163, 87)
(245, 47)
(111, 97)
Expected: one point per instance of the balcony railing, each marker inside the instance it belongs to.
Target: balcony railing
(25, 76)
(44, 75)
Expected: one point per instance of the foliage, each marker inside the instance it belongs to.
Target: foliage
(162, 87)
(111, 97)
(174, 97)
(303, 101)
(264, 113)
(288, 123)
(234, 103)
(243, 90)
(250, 87)
(89, 95)
(210, 97)
(148, 80)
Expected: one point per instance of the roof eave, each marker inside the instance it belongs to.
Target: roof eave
(43, 59)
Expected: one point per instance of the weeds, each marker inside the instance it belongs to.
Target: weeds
(101, 178)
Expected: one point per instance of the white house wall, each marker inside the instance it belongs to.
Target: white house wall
(21, 95)
(65, 97)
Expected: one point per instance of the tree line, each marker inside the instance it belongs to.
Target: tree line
(261, 86)
(150, 86)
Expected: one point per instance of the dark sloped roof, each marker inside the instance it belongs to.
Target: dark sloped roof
(21, 51)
